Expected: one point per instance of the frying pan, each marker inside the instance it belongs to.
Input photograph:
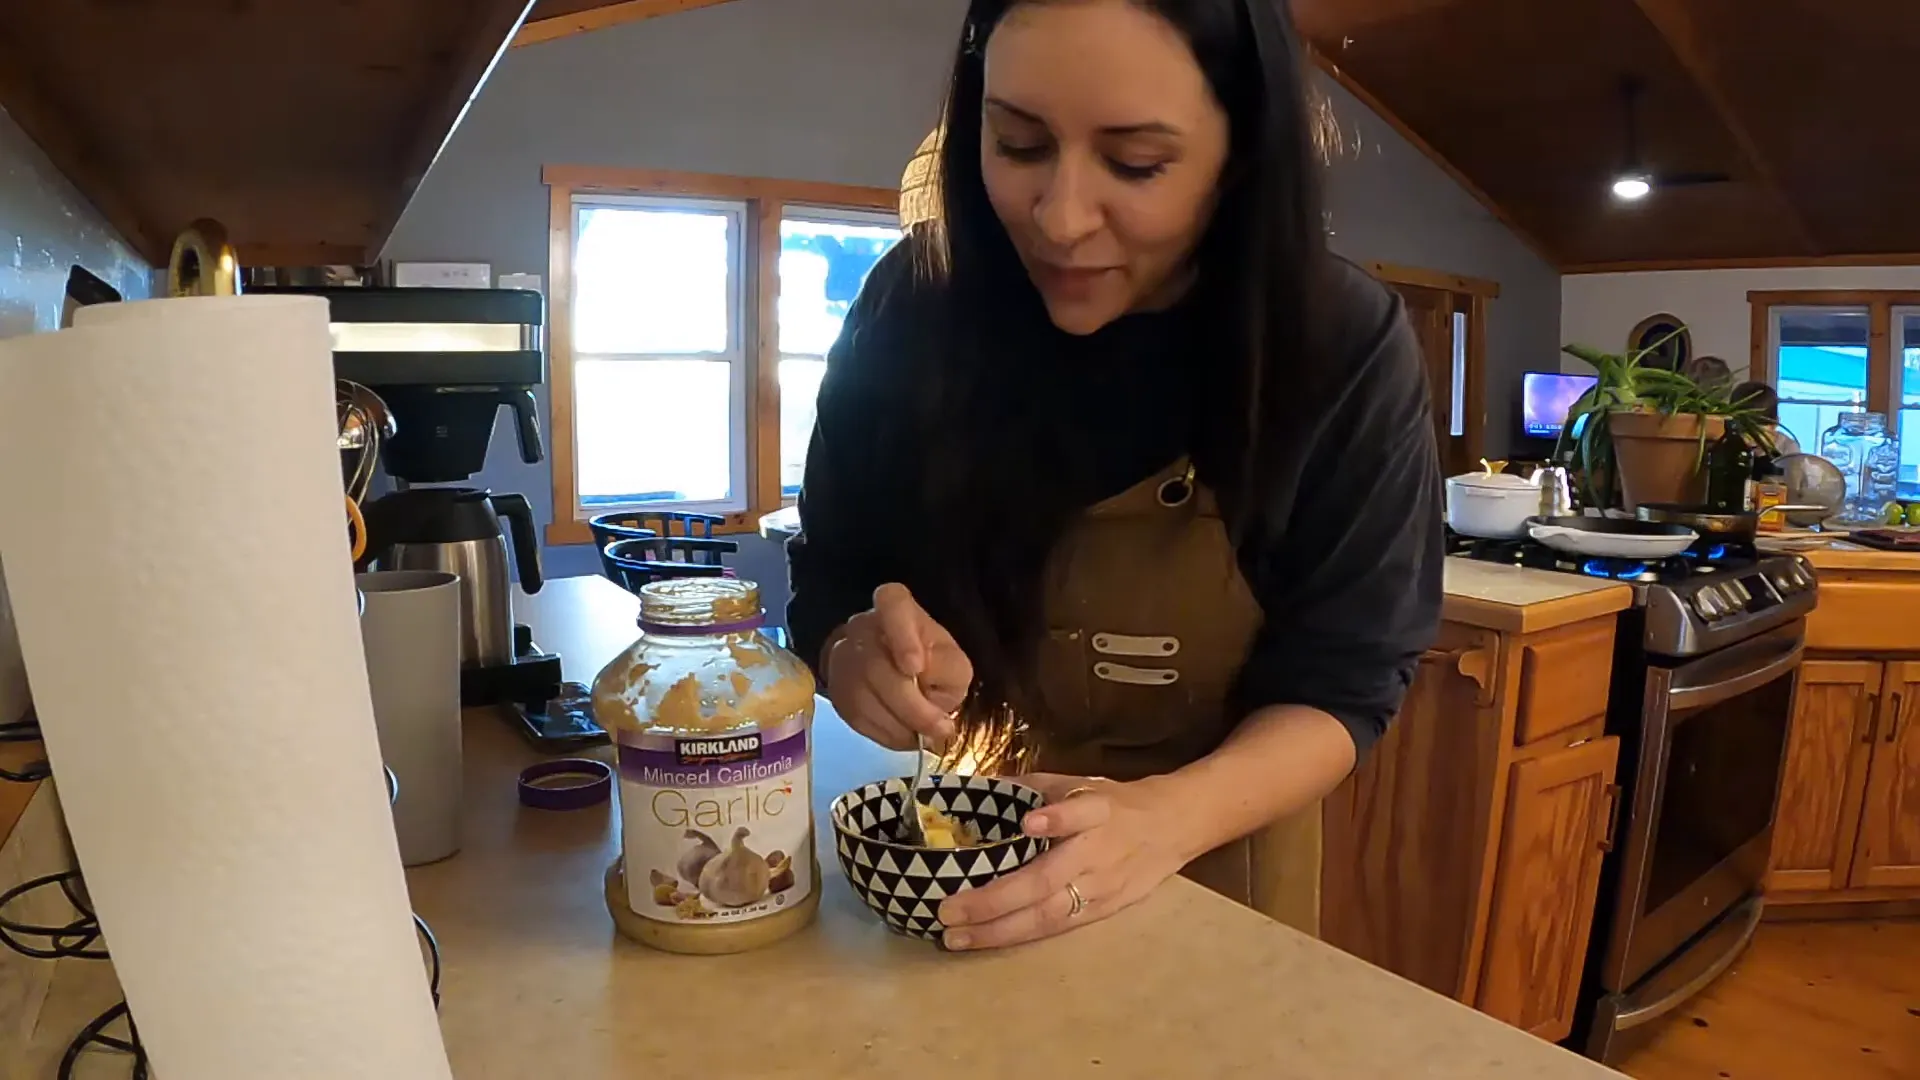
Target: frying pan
(1611, 537)
(1738, 527)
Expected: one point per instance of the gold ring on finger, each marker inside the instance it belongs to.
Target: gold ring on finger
(1079, 901)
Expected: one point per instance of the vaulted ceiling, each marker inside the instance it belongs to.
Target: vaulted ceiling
(305, 125)
(1808, 105)
(302, 125)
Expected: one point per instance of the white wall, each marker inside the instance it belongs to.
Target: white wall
(45, 227)
(1602, 309)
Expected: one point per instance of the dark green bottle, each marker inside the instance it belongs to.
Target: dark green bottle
(1730, 475)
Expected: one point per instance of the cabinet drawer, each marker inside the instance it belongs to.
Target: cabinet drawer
(1563, 679)
(1865, 616)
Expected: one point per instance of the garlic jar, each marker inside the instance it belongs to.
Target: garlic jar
(711, 722)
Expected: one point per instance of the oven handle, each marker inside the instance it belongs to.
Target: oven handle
(1713, 693)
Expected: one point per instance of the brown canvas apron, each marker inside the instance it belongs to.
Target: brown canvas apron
(1149, 623)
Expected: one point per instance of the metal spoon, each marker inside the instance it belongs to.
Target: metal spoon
(911, 831)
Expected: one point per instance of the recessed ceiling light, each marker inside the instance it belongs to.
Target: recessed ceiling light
(1632, 187)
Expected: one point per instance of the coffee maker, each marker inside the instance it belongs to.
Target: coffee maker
(445, 362)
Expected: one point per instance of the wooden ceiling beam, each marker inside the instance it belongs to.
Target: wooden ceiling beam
(600, 18)
(488, 35)
(24, 99)
(1691, 45)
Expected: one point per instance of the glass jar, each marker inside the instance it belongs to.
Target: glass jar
(1869, 458)
(711, 723)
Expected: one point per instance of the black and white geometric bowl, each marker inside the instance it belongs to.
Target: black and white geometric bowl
(904, 885)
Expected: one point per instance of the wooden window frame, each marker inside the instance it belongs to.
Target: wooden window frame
(767, 201)
(1883, 362)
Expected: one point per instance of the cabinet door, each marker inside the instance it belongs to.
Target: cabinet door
(1562, 809)
(1826, 767)
(1889, 851)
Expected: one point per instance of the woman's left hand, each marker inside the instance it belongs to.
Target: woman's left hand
(1112, 842)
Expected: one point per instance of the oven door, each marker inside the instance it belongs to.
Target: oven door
(1713, 741)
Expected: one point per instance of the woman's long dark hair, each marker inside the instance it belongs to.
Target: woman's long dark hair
(1000, 510)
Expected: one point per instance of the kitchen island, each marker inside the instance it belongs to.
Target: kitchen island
(1519, 599)
(1465, 852)
(537, 983)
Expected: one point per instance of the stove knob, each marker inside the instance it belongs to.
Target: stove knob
(1737, 592)
(1707, 603)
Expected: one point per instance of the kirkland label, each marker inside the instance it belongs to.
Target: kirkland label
(716, 827)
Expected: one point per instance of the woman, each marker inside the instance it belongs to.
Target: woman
(1119, 475)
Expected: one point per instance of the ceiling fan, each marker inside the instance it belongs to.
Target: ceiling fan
(1635, 181)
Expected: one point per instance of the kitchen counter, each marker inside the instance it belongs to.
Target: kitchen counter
(1841, 555)
(1184, 984)
(1518, 599)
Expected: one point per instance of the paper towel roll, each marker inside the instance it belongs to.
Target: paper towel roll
(178, 563)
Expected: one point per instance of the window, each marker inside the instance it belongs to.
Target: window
(692, 316)
(825, 257)
(1820, 368)
(656, 320)
(1831, 352)
(1907, 341)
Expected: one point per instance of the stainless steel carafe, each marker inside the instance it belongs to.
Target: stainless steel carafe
(460, 531)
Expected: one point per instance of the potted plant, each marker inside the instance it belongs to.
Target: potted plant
(1640, 434)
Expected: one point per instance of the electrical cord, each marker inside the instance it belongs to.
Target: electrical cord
(33, 773)
(95, 1034)
(75, 940)
(433, 955)
(26, 729)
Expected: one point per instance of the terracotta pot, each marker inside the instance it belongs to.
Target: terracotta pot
(1659, 456)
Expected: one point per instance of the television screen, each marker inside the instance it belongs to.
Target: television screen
(1545, 397)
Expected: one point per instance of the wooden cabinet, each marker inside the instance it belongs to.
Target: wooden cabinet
(1826, 766)
(1847, 830)
(1562, 809)
(1888, 851)
(1848, 823)
(1464, 854)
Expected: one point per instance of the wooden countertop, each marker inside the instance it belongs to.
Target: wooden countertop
(1841, 555)
(14, 797)
(1517, 599)
(1185, 984)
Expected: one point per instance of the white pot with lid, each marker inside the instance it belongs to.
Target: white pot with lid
(1492, 506)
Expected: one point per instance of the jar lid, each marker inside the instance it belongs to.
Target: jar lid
(1501, 481)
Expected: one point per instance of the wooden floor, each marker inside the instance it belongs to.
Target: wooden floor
(1808, 1001)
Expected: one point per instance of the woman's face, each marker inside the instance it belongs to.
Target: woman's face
(1102, 146)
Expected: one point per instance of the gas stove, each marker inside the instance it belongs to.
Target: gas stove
(1704, 599)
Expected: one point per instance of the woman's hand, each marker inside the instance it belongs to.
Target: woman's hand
(1112, 842)
(893, 673)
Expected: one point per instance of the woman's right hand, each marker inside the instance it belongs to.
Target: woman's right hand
(894, 673)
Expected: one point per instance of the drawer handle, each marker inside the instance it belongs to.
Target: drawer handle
(1613, 817)
(1893, 718)
(1870, 703)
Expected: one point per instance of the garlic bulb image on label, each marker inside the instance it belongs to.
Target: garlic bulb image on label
(697, 856)
(737, 878)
